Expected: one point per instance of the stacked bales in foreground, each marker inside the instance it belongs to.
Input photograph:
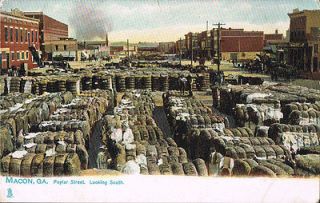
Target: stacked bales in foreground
(61, 149)
(140, 142)
(301, 113)
(187, 113)
(23, 163)
(260, 105)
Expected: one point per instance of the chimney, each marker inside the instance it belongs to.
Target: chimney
(276, 31)
(107, 40)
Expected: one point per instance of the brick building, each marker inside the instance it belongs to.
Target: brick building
(192, 45)
(208, 43)
(237, 44)
(181, 47)
(19, 40)
(273, 38)
(49, 29)
(304, 40)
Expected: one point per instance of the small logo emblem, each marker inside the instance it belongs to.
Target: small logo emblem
(9, 193)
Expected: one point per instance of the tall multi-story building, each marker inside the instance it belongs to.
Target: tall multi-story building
(49, 30)
(208, 43)
(192, 45)
(304, 41)
(237, 44)
(181, 48)
(19, 40)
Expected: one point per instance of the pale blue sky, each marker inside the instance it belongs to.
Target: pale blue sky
(163, 20)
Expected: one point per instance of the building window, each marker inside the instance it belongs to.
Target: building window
(6, 34)
(18, 56)
(11, 34)
(17, 35)
(32, 36)
(65, 47)
(36, 36)
(22, 55)
(27, 55)
(56, 47)
(316, 48)
(21, 35)
(12, 56)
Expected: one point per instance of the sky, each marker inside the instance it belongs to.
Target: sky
(162, 20)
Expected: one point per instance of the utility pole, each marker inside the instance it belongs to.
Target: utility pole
(128, 48)
(180, 49)
(128, 52)
(191, 49)
(219, 43)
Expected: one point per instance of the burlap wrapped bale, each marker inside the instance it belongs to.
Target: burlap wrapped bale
(250, 153)
(15, 166)
(120, 160)
(152, 151)
(309, 150)
(173, 159)
(289, 170)
(263, 140)
(177, 168)
(83, 156)
(141, 149)
(308, 165)
(231, 152)
(241, 168)
(252, 163)
(153, 169)
(48, 166)
(72, 164)
(48, 139)
(240, 152)
(61, 148)
(201, 167)
(68, 137)
(71, 148)
(6, 145)
(5, 165)
(276, 169)
(165, 169)
(174, 151)
(262, 171)
(59, 164)
(171, 142)
(37, 165)
(144, 170)
(278, 150)
(78, 138)
(26, 165)
(255, 141)
(260, 152)
(40, 148)
(189, 169)
(269, 151)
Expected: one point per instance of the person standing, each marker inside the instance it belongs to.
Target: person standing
(102, 159)
(182, 84)
(190, 81)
